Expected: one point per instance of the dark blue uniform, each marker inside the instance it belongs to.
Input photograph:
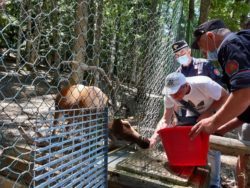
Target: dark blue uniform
(201, 67)
(234, 57)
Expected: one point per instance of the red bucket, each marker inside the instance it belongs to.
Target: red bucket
(180, 150)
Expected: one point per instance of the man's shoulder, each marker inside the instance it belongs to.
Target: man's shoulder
(198, 79)
(245, 32)
(235, 38)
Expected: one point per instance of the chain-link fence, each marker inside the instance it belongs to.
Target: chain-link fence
(121, 47)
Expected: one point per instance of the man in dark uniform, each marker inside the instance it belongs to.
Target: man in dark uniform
(233, 52)
(190, 66)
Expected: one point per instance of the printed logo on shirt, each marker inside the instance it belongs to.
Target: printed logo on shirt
(200, 105)
(191, 103)
(231, 67)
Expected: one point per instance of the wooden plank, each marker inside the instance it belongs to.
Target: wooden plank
(154, 165)
(14, 169)
(116, 156)
(121, 175)
(16, 163)
(20, 152)
(25, 178)
(124, 179)
(7, 183)
(187, 171)
(24, 148)
(229, 146)
(201, 177)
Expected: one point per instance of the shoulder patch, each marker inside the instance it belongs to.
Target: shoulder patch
(231, 67)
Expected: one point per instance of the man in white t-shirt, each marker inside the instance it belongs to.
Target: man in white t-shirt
(205, 95)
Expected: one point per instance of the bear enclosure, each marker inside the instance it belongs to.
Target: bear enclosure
(121, 47)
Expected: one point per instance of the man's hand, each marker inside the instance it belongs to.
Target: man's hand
(205, 125)
(153, 142)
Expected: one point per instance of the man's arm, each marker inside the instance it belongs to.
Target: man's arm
(229, 126)
(165, 120)
(237, 102)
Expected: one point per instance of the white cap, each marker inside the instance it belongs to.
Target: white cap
(173, 82)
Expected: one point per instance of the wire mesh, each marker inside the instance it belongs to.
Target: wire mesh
(76, 156)
(121, 47)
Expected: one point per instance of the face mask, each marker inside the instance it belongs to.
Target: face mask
(212, 55)
(183, 60)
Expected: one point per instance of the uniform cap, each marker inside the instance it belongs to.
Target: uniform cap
(205, 27)
(177, 46)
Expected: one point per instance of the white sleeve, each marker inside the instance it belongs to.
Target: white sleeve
(168, 102)
(212, 89)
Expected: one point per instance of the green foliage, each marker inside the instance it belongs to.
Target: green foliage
(125, 28)
(42, 30)
(230, 11)
(9, 24)
(187, 26)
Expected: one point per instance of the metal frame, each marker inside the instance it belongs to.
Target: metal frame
(73, 157)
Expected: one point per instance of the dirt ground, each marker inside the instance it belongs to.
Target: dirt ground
(228, 171)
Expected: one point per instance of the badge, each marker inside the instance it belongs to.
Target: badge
(231, 67)
(216, 72)
(175, 46)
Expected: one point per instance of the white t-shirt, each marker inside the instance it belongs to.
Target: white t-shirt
(202, 94)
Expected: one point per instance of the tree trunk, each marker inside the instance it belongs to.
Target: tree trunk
(91, 34)
(115, 45)
(31, 36)
(81, 36)
(190, 21)
(20, 31)
(112, 54)
(55, 57)
(181, 31)
(147, 63)
(28, 32)
(36, 36)
(204, 10)
(97, 39)
(134, 46)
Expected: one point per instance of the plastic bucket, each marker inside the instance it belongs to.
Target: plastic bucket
(180, 150)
